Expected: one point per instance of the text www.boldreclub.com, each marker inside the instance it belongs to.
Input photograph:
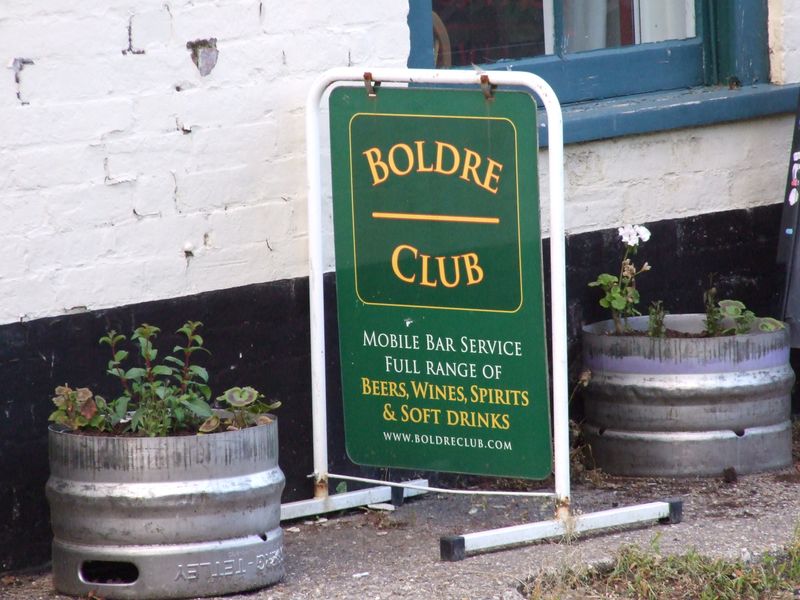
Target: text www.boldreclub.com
(446, 440)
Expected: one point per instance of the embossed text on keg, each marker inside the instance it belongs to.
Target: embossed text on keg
(228, 567)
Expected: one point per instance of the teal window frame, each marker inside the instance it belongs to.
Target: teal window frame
(720, 75)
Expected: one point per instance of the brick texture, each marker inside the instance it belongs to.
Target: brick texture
(117, 153)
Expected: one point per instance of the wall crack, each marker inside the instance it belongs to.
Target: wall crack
(130, 49)
(17, 65)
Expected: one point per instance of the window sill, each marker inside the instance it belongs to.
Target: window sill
(648, 113)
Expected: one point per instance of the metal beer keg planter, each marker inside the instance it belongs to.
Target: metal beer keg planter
(687, 406)
(165, 517)
(157, 494)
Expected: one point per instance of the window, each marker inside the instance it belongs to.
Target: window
(596, 49)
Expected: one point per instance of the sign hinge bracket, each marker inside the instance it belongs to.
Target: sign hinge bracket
(371, 85)
(487, 87)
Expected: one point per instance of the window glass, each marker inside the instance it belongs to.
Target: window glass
(484, 31)
(487, 31)
(595, 24)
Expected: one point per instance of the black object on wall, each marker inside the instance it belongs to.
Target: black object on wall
(788, 246)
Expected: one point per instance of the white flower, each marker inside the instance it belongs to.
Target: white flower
(631, 235)
(643, 232)
(628, 235)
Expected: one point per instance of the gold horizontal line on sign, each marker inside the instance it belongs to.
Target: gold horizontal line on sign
(445, 218)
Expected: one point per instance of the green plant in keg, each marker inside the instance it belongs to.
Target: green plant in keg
(744, 320)
(78, 408)
(713, 321)
(732, 317)
(245, 407)
(161, 394)
(619, 291)
(655, 322)
(621, 296)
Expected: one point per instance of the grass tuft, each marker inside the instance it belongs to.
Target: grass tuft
(647, 574)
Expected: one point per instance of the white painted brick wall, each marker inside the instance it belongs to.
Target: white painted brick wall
(673, 174)
(117, 154)
(784, 23)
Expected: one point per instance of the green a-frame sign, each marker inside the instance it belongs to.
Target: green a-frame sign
(439, 280)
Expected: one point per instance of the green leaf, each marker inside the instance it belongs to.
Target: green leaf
(731, 308)
(120, 355)
(239, 397)
(136, 419)
(162, 370)
(145, 331)
(117, 372)
(135, 373)
(769, 324)
(112, 338)
(193, 349)
(618, 302)
(162, 391)
(146, 349)
(198, 407)
(199, 372)
(273, 406)
(189, 327)
(121, 406)
(607, 279)
(210, 424)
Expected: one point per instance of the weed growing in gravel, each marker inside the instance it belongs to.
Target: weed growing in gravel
(649, 574)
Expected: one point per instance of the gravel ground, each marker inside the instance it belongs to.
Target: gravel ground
(374, 554)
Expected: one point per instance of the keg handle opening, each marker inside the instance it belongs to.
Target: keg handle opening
(109, 572)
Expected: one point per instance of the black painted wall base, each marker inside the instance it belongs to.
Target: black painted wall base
(259, 336)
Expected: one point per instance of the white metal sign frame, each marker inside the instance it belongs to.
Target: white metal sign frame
(455, 547)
